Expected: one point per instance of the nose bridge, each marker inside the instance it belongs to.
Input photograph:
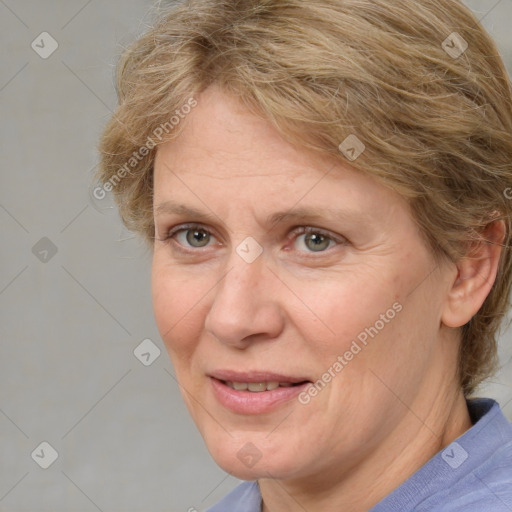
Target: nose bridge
(243, 305)
(242, 285)
(240, 280)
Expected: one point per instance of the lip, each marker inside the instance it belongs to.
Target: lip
(254, 376)
(251, 403)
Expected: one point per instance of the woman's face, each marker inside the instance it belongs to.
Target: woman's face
(274, 265)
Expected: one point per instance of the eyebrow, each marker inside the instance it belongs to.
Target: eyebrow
(293, 214)
(170, 208)
(313, 214)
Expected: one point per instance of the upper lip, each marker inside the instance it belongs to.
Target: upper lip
(254, 376)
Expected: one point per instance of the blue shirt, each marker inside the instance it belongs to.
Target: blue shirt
(472, 474)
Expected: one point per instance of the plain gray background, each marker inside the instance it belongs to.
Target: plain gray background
(71, 319)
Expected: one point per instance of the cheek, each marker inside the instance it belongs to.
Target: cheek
(349, 308)
(178, 305)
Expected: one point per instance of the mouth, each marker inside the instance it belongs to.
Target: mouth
(259, 387)
(255, 392)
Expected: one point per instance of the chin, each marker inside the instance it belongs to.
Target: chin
(248, 460)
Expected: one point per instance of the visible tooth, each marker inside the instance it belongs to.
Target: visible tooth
(257, 386)
(239, 386)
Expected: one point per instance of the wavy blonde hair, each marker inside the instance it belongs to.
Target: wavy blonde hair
(436, 124)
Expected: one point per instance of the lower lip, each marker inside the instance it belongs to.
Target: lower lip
(249, 402)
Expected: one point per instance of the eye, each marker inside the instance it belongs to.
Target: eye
(314, 240)
(191, 236)
(194, 237)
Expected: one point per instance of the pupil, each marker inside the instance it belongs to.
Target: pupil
(197, 237)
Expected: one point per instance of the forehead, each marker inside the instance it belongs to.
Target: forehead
(227, 154)
(221, 133)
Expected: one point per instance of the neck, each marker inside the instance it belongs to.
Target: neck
(408, 447)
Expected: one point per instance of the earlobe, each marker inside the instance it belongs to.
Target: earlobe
(476, 275)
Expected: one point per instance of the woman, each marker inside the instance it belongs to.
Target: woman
(323, 186)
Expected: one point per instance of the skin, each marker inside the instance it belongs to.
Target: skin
(294, 311)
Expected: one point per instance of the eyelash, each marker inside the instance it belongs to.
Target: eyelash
(295, 233)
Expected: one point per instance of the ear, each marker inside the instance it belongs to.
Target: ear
(476, 275)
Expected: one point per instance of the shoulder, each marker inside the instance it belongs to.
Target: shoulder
(489, 489)
(243, 498)
(485, 482)
(471, 474)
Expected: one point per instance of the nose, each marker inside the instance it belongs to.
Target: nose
(245, 307)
